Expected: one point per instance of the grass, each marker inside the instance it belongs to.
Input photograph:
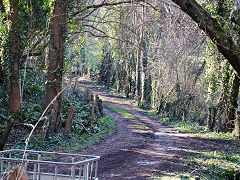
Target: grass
(129, 116)
(197, 130)
(207, 165)
(211, 165)
(183, 176)
(216, 164)
(191, 127)
(121, 111)
(84, 141)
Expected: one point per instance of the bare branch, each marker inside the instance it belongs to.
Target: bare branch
(105, 4)
(213, 30)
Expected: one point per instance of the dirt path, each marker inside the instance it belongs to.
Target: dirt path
(142, 147)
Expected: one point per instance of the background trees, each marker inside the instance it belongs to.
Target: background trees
(186, 75)
(20, 22)
(224, 41)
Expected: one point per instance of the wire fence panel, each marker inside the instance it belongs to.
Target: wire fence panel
(42, 165)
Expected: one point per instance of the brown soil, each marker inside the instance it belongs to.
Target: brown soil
(143, 147)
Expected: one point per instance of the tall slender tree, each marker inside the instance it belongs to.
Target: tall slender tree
(139, 33)
(54, 74)
(14, 57)
(2, 11)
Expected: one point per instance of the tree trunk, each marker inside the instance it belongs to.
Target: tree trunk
(237, 125)
(139, 42)
(220, 8)
(233, 102)
(209, 119)
(223, 41)
(5, 134)
(14, 55)
(55, 60)
(13, 59)
(147, 82)
(83, 61)
(128, 81)
(224, 99)
(212, 117)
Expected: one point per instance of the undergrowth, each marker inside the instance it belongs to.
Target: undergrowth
(76, 140)
(84, 131)
(217, 164)
(196, 129)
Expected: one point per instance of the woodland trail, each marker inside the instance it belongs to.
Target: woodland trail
(143, 147)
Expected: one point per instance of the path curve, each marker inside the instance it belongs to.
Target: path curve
(142, 147)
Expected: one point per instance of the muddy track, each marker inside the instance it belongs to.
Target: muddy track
(142, 147)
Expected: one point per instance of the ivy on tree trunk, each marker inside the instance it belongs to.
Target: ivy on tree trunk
(13, 59)
(55, 60)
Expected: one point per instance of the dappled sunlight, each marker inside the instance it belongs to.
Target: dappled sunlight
(158, 147)
(150, 86)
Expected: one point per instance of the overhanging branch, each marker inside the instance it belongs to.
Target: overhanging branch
(213, 30)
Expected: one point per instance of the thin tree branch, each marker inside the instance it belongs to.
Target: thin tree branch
(105, 4)
(211, 27)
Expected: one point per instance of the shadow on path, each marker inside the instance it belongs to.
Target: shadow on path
(142, 147)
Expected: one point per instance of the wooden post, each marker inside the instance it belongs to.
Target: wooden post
(69, 120)
(91, 96)
(86, 95)
(92, 114)
(96, 99)
(75, 87)
(100, 107)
